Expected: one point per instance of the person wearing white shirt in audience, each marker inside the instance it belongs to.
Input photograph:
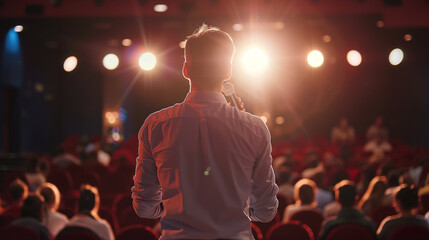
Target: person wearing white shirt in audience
(89, 202)
(52, 219)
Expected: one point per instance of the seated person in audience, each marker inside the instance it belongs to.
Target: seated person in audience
(52, 219)
(18, 191)
(345, 194)
(65, 159)
(377, 130)
(374, 196)
(31, 216)
(343, 133)
(305, 196)
(425, 188)
(406, 202)
(87, 217)
(323, 196)
(284, 183)
(37, 177)
(377, 148)
(392, 184)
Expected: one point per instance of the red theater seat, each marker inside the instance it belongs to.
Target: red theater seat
(310, 218)
(137, 232)
(413, 232)
(77, 233)
(380, 213)
(351, 232)
(18, 232)
(292, 230)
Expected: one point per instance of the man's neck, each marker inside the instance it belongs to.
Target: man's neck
(195, 88)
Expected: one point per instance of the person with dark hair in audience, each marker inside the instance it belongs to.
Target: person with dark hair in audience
(343, 133)
(377, 130)
(284, 180)
(31, 216)
(87, 217)
(323, 196)
(345, 194)
(374, 195)
(18, 191)
(406, 202)
(305, 198)
(53, 220)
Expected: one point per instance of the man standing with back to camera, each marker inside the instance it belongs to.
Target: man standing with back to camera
(204, 166)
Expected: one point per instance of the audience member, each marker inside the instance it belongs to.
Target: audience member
(345, 195)
(285, 183)
(343, 133)
(52, 219)
(65, 159)
(425, 188)
(392, 184)
(31, 216)
(323, 197)
(378, 148)
(37, 177)
(374, 195)
(18, 191)
(89, 203)
(377, 130)
(305, 196)
(406, 201)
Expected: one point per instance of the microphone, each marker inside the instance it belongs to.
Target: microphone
(229, 93)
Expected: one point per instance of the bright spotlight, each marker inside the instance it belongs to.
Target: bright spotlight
(147, 61)
(396, 56)
(255, 60)
(160, 8)
(280, 120)
(354, 58)
(70, 64)
(18, 28)
(315, 58)
(110, 61)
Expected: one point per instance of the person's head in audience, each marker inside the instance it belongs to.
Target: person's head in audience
(305, 192)
(319, 178)
(379, 121)
(18, 192)
(406, 179)
(89, 201)
(285, 174)
(393, 178)
(33, 207)
(345, 193)
(375, 191)
(51, 194)
(406, 199)
(344, 123)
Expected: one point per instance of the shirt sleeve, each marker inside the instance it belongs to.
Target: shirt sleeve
(263, 200)
(146, 192)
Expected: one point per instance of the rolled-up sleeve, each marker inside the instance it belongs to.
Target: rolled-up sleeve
(146, 192)
(263, 199)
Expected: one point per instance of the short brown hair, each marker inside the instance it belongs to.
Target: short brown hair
(208, 53)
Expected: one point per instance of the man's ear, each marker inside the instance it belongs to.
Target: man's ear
(185, 70)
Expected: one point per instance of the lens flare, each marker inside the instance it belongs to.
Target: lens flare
(70, 64)
(147, 61)
(18, 28)
(255, 61)
(315, 58)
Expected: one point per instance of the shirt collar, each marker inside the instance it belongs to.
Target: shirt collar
(205, 97)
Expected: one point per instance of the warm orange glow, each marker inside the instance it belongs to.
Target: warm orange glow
(255, 61)
(354, 58)
(70, 64)
(315, 58)
(110, 61)
(147, 61)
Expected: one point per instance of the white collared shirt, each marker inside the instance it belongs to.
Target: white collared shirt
(204, 159)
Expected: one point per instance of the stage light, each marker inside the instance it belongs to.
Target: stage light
(18, 28)
(182, 44)
(279, 25)
(408, 37)
(354, 58)
(264, 119)
(126, 42)
(237, 27)
(280, 120)
(315, 58)
(326, 38)
(396, 56)
(147, 61)
(160, 8)
(70, 64)
(380, 24)
(255, 60)
(110, 61)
